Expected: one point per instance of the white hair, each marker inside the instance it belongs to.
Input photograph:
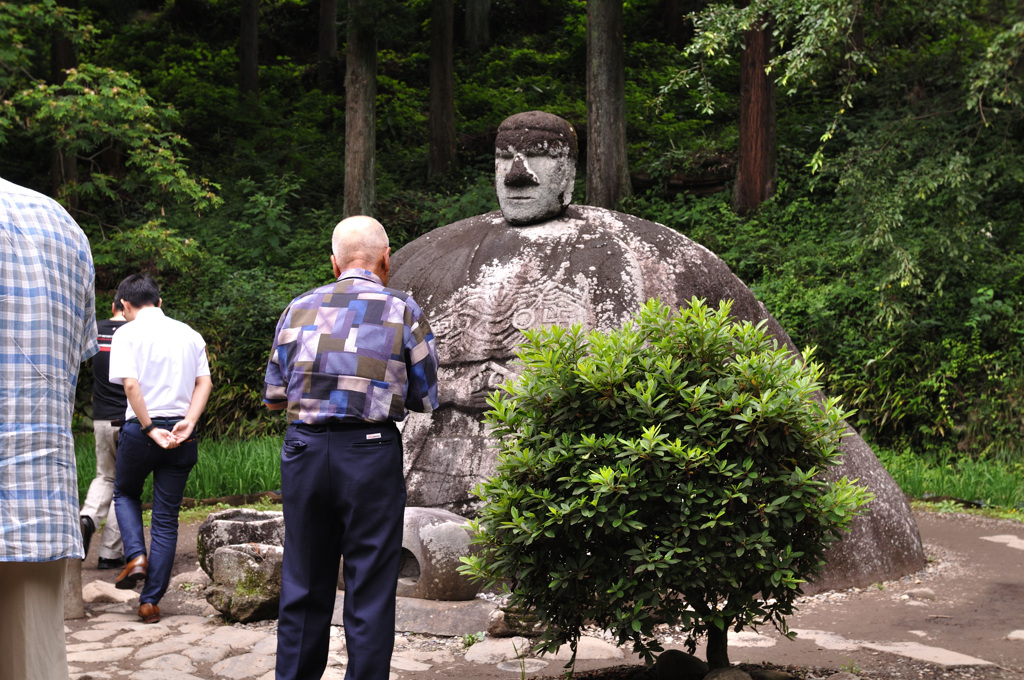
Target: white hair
(358, 238)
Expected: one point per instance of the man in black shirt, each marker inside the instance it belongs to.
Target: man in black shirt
(108, 411)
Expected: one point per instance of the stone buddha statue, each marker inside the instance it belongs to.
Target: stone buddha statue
(541, 260)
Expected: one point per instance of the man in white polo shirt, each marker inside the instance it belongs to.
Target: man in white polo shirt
(163, 366)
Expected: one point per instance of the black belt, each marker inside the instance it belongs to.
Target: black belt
(343, 425)
(159, 421)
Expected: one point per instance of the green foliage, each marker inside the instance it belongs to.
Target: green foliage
(895, 248)
(667, 471)
(986, 480)
(226, 467)
(120, 140)
(25, 31)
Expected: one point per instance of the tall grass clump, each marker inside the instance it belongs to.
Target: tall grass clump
(225, 468)
(992, 483)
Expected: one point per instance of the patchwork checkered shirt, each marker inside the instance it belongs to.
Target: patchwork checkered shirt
(47, 328)
(352, 350)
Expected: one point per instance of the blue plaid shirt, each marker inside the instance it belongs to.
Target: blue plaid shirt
(352, 350)
(47, 328)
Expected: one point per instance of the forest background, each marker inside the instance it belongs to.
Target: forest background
(204, 141)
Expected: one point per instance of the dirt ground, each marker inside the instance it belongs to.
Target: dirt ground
(968, 599)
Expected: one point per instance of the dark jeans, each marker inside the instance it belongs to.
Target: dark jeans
(344, 494)
(137, 457)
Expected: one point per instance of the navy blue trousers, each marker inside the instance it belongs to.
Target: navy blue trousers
(137, 457)
(344, 495)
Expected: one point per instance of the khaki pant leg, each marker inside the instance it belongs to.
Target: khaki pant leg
(98, 503)
(32, 645)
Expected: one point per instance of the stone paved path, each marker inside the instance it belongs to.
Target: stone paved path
(962, 617)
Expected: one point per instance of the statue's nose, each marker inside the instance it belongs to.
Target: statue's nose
(520, 175)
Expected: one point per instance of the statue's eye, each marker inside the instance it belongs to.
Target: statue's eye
(503, 153)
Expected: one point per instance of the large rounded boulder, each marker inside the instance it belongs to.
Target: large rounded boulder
(483, 281)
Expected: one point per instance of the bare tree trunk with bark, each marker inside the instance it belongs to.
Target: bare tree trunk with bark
(248, 50)
(755, 176)
(63, 166)
(478, 24)
(607, 165)
(441, 156)
(327, 44)
(360, 110)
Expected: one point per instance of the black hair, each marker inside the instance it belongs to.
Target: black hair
(139, 290)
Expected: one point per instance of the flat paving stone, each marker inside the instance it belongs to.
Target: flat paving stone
(496, 650)
(104, 655)
(163, 647)
(92, 635)
(523, 665)
(143, 636)
(827, 640)
(936, 655)
(244, 666)
(1009, 540)
(174, 662)
(163, 674)
(588, 648)
(403, 663)
(85, 646)
(207, 654)
(235, 638)
(267, 645)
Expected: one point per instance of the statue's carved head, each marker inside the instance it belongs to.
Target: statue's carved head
(534, 166)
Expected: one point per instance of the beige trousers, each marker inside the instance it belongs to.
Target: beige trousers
(32, 643)
(98, 503)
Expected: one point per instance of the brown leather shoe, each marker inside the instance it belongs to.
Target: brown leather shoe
(150, 613)
(133, 572)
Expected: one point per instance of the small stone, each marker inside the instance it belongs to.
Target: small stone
(1016, 635)
(921, 594)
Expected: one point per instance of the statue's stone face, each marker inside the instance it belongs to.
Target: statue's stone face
(534, 183)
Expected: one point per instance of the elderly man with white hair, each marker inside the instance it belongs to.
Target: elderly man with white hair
(348, 361)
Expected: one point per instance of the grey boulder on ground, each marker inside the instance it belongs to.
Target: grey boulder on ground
(482, 282)
(246, 582)
(675, 664)
(433, 543)
(235, 527)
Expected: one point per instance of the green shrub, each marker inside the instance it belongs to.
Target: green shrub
(666, 471)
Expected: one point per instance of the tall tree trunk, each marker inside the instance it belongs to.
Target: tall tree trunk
(248, 50)
(607, 165)
(718, 647)
(441, 156)
(327, 44)
(478, 24)
(360, 111)
(755, 177)
(63, 166)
